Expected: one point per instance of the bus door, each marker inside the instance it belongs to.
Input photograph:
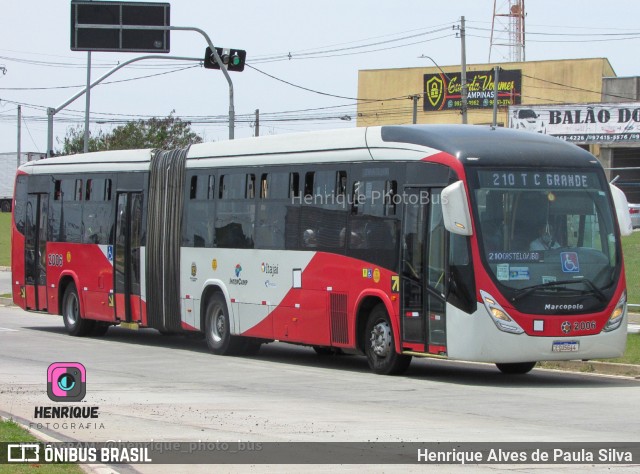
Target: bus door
(36, 251)
(126, 259)
(423, 276)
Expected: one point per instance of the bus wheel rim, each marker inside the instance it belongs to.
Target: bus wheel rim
(71, 312)
(381, 339)
(219, 326)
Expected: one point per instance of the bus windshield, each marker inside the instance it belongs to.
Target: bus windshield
(546, 231)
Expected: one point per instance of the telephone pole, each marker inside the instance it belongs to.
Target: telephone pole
(257, 133)
(19, 135)
(463, 73)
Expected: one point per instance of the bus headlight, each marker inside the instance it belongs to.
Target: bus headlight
(499, 316)
(618, 314)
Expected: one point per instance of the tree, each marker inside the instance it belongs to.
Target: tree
(163, 133)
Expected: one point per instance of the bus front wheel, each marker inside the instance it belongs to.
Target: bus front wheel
(380, 346)
(218, 329)
(516, 368)
(76, 326)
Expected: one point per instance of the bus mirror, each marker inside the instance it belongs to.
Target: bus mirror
(455, 209)
(622, 210)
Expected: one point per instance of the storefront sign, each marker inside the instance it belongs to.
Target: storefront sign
(444, 93)
(581, 123)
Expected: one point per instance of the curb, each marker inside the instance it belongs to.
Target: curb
(6, 302)
(593, 367)
(45, 438)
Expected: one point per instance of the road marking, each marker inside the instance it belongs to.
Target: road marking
(8, 330)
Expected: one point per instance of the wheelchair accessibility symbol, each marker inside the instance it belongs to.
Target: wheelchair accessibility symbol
(110, 253)
(570, 263)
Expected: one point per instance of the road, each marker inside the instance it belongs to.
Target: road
(169, 388)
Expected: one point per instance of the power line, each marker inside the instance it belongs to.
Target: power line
(104, 83)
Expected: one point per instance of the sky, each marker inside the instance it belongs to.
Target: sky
(303, 59)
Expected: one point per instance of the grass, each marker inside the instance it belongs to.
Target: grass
(5, 239)
(632, 353)
(631, 251)
(12, 432)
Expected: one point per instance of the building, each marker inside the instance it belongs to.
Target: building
(535, 95)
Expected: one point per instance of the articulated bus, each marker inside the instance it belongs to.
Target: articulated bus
(458, 242)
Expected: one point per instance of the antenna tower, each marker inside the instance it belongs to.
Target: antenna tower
(507, 30)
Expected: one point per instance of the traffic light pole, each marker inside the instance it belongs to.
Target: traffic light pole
(51, 111)
(232, 112)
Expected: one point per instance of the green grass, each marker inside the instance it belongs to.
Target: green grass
(12, 432)
(631, 251)
(632, 353)
(5, 239)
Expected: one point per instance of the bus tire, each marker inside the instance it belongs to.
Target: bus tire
(380, 345)
(517, 368)
(73, 321)
(218, 330)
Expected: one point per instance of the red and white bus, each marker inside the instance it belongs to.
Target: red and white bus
(459, 242)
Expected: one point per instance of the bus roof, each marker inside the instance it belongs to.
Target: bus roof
(492, 146)
(471, 144)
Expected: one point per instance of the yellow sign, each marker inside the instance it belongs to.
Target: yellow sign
(111, 301)
(435, 90)
(376, 275)
(395, 284)
(23, 292)
(68, 257)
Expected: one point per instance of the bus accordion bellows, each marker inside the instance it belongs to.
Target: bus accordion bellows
(459, 242)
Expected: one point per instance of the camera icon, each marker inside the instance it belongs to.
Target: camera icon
(66, 381)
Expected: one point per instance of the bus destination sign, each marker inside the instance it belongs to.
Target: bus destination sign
(537, 179)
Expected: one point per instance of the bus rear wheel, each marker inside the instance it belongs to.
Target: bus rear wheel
(218, 330)
(380, 346)
(76, 326)
(516, 368)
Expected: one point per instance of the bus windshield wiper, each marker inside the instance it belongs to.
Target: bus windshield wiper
(530, 289)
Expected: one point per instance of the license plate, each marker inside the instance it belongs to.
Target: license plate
(565, 346)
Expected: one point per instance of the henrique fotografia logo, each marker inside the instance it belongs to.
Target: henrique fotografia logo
(66, 381)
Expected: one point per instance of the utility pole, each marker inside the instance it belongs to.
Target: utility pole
(463, 73)
(495, 96)
(87, 104)
(19, 135)
(415, 108)
(257, 133)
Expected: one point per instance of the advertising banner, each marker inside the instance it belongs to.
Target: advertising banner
(444, 92)
(581, 123)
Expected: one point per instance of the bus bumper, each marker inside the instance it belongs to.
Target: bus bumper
(475, 337)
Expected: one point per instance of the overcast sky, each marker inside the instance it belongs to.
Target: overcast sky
(328, 40)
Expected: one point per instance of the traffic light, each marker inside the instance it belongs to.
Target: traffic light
(233, 59)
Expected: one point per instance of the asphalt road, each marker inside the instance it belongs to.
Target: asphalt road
(149, 386)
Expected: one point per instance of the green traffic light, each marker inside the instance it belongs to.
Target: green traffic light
(235, 60)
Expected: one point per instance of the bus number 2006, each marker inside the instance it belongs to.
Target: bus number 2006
(55, 260)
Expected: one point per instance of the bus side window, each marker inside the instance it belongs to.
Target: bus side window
(308, 183)
(193, 188)
(77, 195)
(264, 186)
(294, 185)
(250, 192)
(211, 187)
